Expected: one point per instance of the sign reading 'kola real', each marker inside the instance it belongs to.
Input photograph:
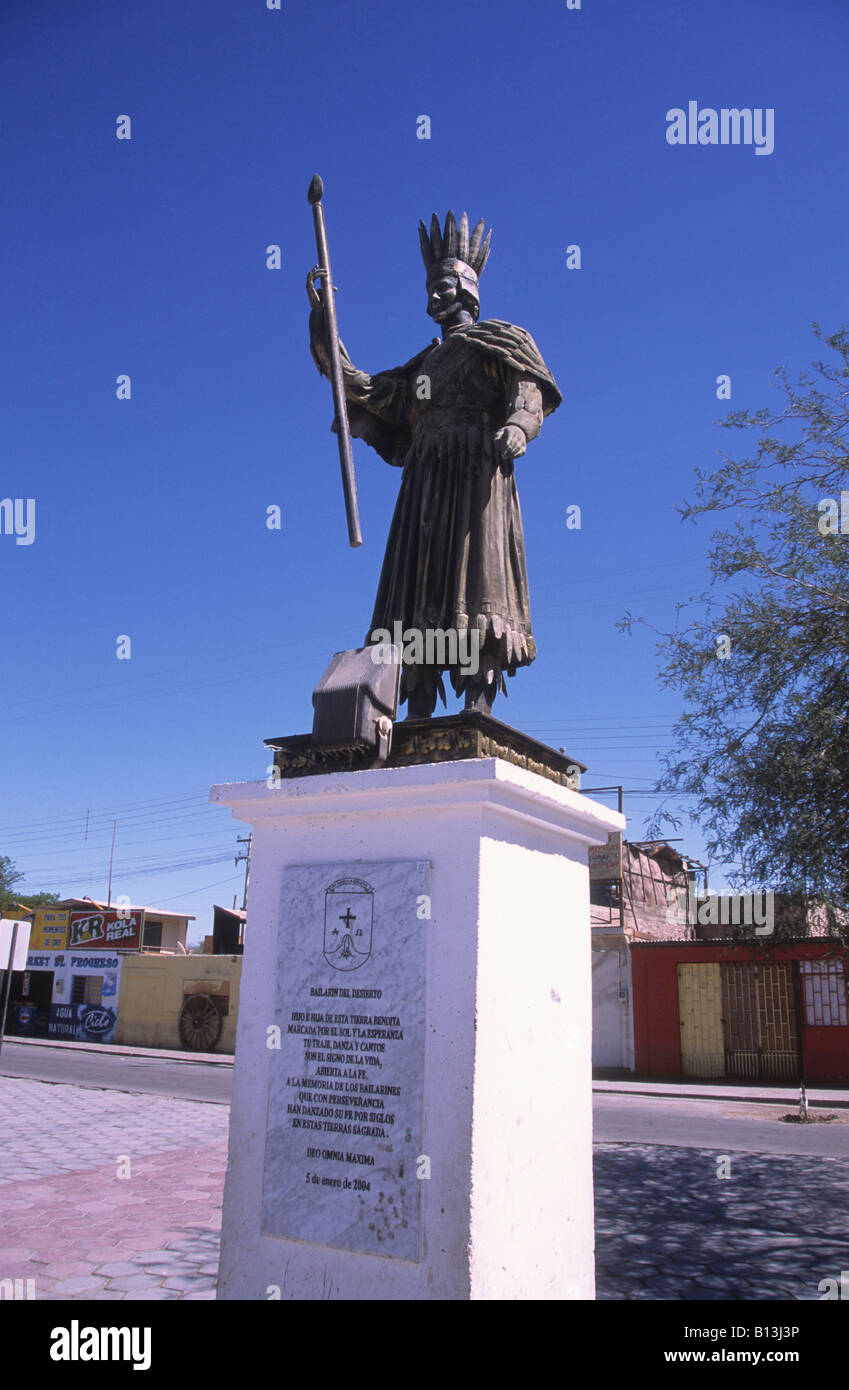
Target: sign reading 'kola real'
(346, 1084)
(117, 931)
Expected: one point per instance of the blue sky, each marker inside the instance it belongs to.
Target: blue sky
(147, 257)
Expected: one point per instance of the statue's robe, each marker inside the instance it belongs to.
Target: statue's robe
(455, 556)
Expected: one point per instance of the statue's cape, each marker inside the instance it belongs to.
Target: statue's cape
(493, 338)
(516, 347)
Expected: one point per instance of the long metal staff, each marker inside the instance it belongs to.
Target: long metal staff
(343, 433)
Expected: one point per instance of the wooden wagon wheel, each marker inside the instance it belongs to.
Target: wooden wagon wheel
(199, 1023)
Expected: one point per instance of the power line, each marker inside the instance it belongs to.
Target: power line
(134, 868)
(123, 810)
(160, 902)
(125, 844)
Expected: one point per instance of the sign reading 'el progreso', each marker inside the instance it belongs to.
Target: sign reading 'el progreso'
(117, 931)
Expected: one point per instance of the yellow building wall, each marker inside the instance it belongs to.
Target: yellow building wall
(152, 992)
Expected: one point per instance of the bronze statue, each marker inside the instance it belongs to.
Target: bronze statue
(453, 418)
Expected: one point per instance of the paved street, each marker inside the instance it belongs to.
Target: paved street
(115, 1195)
(180, 1074)
(720, 1125)
(667, 1227)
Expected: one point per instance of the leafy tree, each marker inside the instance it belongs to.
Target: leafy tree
(37, 899)
(8, 878)
(9, 899)
(762, 657)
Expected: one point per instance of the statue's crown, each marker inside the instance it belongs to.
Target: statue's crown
(454, 243)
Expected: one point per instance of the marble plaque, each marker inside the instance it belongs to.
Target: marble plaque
(346, 1086)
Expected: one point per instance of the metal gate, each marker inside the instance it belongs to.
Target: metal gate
(741, 1017)
(779, 1042)
(759, 1013)
(738, 1019)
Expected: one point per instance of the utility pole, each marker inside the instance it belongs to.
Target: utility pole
(111, 857)
(245, 840)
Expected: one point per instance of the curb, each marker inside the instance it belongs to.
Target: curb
(215, 1058)
(820, 1099)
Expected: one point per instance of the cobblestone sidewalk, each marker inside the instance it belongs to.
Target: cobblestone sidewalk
(79, 1229)
(668, 1227)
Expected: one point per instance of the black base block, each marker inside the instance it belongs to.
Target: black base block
(450, 738)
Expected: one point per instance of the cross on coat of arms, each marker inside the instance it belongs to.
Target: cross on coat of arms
(348, 923)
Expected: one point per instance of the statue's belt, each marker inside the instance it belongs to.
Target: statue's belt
(452, 417)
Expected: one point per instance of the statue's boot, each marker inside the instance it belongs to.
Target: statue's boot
(421, 701)
(480, 693)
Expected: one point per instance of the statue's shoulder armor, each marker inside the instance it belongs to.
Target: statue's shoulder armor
(500, 328)
(516, 347)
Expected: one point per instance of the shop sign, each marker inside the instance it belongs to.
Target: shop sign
(85, 1022)
(117, 931)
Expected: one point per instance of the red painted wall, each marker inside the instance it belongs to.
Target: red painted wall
(826, 1054)
(657, 1026)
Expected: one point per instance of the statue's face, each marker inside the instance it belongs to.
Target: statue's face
(443, 297)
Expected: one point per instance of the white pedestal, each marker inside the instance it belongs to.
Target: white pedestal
(441, 1059)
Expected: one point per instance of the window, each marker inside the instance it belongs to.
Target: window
(824, 992)
(152, 935)
(87, 989)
